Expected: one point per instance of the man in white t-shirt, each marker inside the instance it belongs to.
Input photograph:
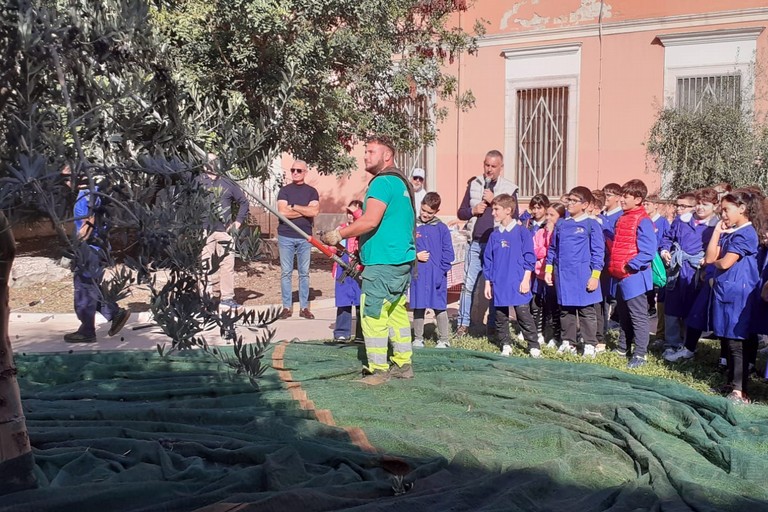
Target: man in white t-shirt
(417, 179)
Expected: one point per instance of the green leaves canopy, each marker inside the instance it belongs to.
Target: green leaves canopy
(719, 143)
(359, 66)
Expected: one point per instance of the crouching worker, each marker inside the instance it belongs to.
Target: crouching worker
(387, 251)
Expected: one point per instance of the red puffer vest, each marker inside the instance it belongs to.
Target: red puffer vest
(624, 246)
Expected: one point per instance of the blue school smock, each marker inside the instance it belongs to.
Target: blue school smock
(734, 290)
(508, 254)
(429, 285)
(347, 291)
(692, 239)
(533, 226)
(760, 312)
(661, 226)
(608, 223)
(640, 281)
(577, 248)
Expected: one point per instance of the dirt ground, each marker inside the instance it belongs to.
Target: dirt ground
(257, 283)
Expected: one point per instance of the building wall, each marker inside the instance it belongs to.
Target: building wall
(620, 85)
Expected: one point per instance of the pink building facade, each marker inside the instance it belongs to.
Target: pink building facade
(569, 89)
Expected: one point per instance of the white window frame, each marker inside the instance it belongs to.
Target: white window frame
(539, 68)
(714, 53)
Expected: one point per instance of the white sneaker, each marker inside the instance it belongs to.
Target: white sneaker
(540, 339)
(520, 337)
(443, 344)
(590, 351)
(670, 350)
(506, 350)
(535, 353)
(418, 343)
(683, 353)
(552, 343)
(566, 348)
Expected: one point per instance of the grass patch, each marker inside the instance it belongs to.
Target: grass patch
(700, 373)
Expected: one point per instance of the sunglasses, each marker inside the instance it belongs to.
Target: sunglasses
(297, 171)
(418, 178)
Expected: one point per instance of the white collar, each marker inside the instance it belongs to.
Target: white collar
(509, 226)
(712, 222)
(656, 217)
(614, 211)
(580, 218)
(733, 230)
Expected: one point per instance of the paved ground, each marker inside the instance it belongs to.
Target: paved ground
(42, 332)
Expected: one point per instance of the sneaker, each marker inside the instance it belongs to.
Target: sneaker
(341, 339)
(520, 337)
(737, 399)
(566, 348)
(552, 343)
(376, 378)
(670, 350)
(681, 354)
(636, 362)
(77, 337)
(619, 352)
(230, 303)
(462, 331)
(590, 351)
(306, 313)
(285, 313)
(401, 372)
(600, 348)
(118, 322)
(418, 343)
(540, 339)
(535, 353)
(443, 344)
(506, 350)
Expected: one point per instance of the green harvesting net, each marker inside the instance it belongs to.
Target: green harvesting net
(472, 431)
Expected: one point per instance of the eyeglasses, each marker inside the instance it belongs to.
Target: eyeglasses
(574, 200)
(297, 171)
(685, 206)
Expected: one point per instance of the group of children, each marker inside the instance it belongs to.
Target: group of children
(565, 266)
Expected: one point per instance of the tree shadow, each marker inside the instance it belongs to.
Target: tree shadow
(132, 431)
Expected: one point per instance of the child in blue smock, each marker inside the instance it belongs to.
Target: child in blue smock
(687, 292)
(347, 293)
(508, 263)
(653, 205)
(574, 263)
(732, 251)
(607, 219)
(537, 210)
(429, 286)
(634, 246)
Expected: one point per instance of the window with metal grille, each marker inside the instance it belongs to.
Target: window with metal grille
(693, 93)
(418, 110)
(542, 131)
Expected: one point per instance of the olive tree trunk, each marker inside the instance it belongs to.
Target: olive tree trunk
(16, 460)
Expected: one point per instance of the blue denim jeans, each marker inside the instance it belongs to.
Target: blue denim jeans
(344, 322)
(88, 298)
(473, 267)
(291, 248)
